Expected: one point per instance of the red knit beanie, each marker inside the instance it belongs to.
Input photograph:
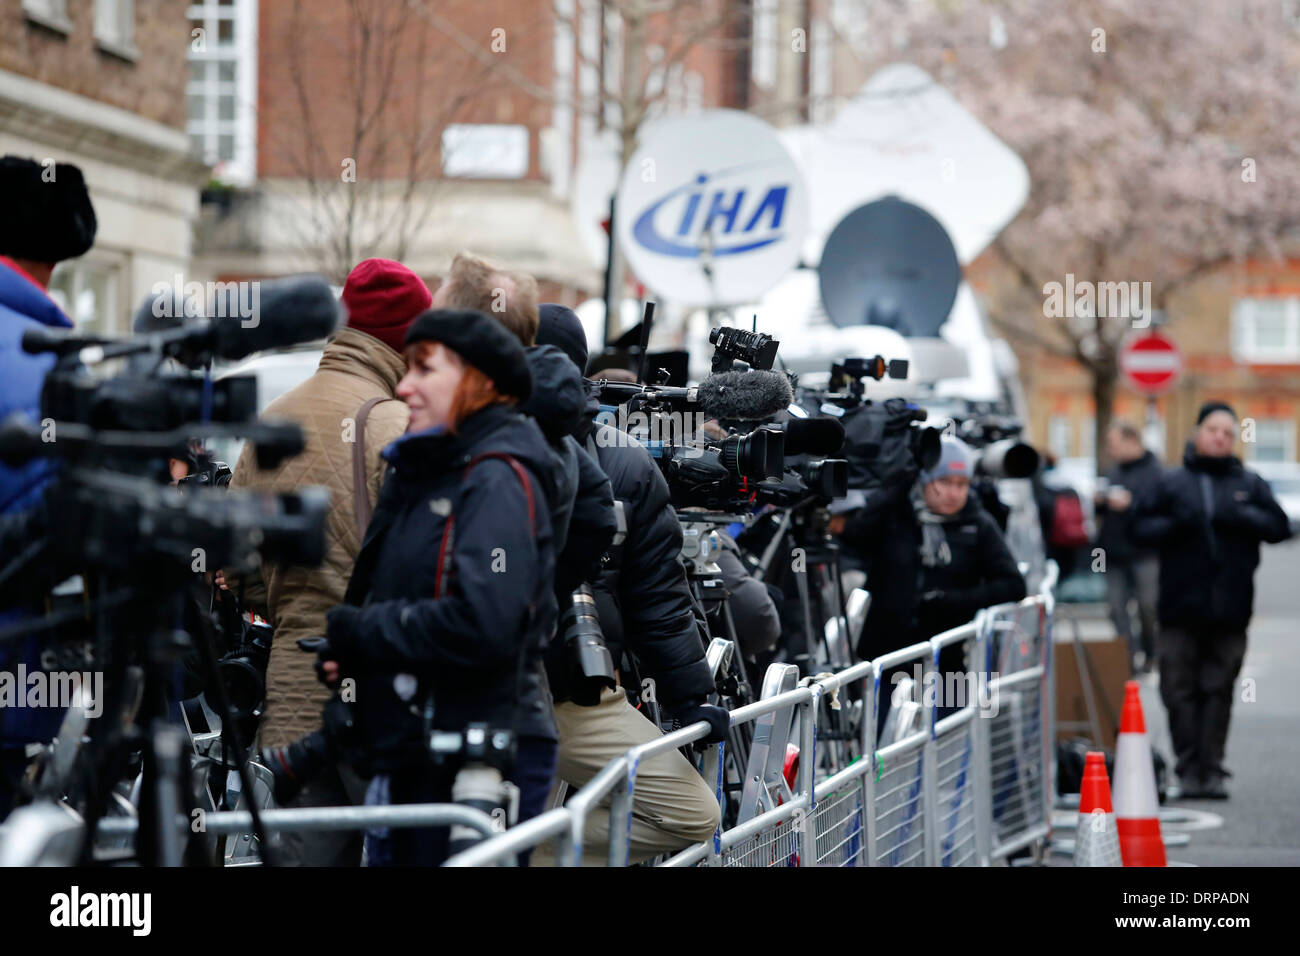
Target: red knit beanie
(383, 298)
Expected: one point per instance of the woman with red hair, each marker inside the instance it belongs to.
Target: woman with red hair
(451, 603)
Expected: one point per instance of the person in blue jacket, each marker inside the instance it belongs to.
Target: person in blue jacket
(47, 217)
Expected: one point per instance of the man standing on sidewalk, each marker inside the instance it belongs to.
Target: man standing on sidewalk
(1207, 519)
(1132, 572)
(348, 412)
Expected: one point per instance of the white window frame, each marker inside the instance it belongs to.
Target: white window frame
(1245, 346)
(241, 168)
(112, 313)
(1288, 444)
(115, 28)
(52, 14)
(502, 149)
(764, 44)
(1060, 426)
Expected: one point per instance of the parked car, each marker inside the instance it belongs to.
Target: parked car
(276, 373)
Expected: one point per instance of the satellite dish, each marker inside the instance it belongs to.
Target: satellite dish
(711, 210)
(890, 263)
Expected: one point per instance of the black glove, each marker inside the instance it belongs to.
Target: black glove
(324, 650)
(719, 720)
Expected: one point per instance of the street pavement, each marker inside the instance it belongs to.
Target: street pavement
(1261, 819)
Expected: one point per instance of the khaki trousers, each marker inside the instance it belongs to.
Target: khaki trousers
(672, 806)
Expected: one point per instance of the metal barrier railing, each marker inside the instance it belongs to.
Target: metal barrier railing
(969, 785)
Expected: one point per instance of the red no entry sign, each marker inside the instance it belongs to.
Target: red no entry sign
(1151, 363)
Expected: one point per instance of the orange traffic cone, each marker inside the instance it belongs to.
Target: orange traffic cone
(1136, 804)
(1097, 837)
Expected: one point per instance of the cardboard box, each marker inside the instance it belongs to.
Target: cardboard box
(1108, 663)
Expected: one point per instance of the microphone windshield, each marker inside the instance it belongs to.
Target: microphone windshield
(819, 437)
(273, 314)
(745, 396)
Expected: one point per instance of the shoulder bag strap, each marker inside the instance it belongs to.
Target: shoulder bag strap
(360, 480)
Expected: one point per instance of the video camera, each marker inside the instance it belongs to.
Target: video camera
(111, 506)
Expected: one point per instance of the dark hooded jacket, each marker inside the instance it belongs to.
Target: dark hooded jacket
(643, 599)
(582, 516)
(1207, 519)
(981, 573)
(467, 612)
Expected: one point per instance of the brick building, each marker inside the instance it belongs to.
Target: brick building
(415, 130)
(1239, 332)
(102, 85)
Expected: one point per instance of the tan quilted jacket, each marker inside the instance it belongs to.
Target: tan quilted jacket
(354, 368)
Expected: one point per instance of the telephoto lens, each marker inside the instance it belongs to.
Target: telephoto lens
(592, 666)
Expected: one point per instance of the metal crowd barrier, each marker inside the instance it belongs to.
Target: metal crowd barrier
(967, 785)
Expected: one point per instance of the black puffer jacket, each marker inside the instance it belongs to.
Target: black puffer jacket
(1116, 536)
(468, 613)
(981, 573)
(1207, 519)
(642, 598)
(582, 516)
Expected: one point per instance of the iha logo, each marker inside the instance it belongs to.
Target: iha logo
(712, 202)
(75, 909)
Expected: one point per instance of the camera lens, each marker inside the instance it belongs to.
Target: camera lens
(758, 456)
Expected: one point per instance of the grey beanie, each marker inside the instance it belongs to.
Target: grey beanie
(955, 458)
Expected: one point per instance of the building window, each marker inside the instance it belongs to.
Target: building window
(1058, 435)
(222, 90)
(485, 151)
(1274, 440)
(1088, 439)
(49, 13)
(89, 293)
(115, 27)
(765, 45)
(1266, 330)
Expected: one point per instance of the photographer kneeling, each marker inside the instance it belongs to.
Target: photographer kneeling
(451, 602)
(933, 557)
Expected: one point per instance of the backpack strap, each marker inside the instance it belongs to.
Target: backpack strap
(448, 530)
(360, 484)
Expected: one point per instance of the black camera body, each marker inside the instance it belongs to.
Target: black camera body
(731, 345)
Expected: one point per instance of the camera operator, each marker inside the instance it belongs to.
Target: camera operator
(48, 217)
(441, 629)
(933, 557)
(356, 383)
(644, 605)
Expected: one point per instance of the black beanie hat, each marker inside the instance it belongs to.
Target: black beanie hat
(1209, 408)
(48, 216)
(559, 326)
(482, 342)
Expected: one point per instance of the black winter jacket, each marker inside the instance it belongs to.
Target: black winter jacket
(982, 573)
(1208, 555)
(1116, 536)
(468, 613)
(642, 598)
